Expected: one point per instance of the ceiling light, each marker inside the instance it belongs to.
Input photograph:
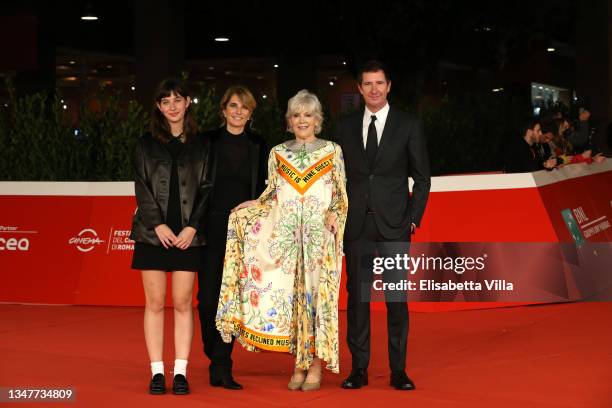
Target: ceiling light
(221, 39)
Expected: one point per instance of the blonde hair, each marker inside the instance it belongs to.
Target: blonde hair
(305, 101)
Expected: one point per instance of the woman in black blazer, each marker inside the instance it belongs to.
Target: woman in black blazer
(238, 169)
(172, 192)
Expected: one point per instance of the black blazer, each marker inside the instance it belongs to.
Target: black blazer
(258, 156)
(152, 167)
(402, 152)
(520, 157)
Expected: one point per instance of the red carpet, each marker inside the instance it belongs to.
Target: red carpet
(537, 356)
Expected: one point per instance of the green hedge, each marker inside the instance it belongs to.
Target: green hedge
(38, 139)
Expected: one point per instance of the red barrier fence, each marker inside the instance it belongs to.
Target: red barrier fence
(67, 242)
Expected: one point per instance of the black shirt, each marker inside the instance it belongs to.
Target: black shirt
(233, 174)
(173, 217)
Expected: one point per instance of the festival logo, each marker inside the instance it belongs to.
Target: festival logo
(572, 226)
(86, 240)
(119, 240)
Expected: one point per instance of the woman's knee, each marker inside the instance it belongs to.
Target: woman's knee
(182, 304)
(155, 304)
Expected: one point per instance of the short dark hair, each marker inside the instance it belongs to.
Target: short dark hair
(550, 125)
(159, 125)
(528, 124)
(373, 66)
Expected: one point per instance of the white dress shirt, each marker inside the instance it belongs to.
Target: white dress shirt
(381, 118)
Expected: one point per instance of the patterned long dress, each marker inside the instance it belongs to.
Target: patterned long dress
(282, 266)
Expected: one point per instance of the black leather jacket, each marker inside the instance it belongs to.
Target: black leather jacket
(152, 167)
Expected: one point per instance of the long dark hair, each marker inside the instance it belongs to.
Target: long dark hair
(159, 125)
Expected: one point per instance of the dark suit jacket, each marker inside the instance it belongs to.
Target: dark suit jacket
(402, 152)
(520, 157)
(258, 156)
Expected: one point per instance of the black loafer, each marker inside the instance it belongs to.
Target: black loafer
(357, 379)
(180, 386)
(157, 385)
(400, 381)
(226, 382)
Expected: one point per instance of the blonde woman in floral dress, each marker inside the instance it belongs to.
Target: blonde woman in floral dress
(284, 252)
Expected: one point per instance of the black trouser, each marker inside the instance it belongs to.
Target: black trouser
(359, 280)
(209, 285)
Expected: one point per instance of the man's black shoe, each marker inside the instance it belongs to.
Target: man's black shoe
(357, 379)
(400, 381)
(157, 385)
(180, 386)
(227, 383)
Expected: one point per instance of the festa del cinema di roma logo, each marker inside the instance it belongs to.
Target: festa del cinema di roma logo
(86, 240)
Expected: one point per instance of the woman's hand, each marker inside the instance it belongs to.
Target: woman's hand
(165, 235)
(184, 238)
(331, 222)
(244, 205)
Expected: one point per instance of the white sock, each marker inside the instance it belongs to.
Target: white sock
(180, 367)
(157, 367)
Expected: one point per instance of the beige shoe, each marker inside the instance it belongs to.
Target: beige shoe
(311, 386)
(296, 385)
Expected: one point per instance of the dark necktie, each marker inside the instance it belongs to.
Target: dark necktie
(371, 142)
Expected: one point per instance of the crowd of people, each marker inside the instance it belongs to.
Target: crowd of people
(552, 142)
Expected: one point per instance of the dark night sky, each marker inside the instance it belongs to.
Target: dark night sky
(449, 29)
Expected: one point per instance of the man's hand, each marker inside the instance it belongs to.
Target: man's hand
(184, 238)
(550, 163)
(165, 235)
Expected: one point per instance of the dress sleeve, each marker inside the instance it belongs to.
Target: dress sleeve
(339, 201)
(270, 192)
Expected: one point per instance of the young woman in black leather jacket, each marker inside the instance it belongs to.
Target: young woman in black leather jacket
(172, 191)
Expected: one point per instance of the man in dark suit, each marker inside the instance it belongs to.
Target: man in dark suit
(382, 147)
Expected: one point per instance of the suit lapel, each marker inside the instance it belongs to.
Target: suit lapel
(358, 132)
(391, 125)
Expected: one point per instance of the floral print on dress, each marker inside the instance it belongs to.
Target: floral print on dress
(282, 266)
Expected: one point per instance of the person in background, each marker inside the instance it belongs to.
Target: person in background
(172, 192)
(522, 155)
(238, 168)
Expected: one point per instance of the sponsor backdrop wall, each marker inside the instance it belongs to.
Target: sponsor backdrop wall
(68, 243)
